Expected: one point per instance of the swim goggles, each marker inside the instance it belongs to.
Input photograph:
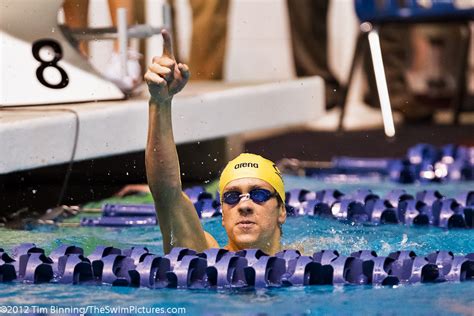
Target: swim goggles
(256, 195)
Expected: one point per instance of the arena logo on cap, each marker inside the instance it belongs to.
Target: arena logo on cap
(246, 165)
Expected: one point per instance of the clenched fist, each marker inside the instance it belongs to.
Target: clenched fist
(164, 76)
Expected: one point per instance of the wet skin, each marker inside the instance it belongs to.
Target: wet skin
(249, 224)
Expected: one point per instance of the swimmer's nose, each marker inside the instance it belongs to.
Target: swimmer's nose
(245, 208)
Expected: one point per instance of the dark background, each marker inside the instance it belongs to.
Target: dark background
(30, 193)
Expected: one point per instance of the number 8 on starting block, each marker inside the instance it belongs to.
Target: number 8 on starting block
(38, 64)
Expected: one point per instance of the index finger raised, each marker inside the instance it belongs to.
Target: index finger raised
(167, 44)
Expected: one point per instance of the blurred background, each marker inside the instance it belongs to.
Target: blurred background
(245, 43)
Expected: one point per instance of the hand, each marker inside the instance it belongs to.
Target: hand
(164, 77)
(132, 189)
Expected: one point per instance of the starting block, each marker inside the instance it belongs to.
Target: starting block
(39, 62)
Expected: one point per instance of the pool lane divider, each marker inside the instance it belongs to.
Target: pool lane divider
(219, 268)
(428, 207)
(423, 163)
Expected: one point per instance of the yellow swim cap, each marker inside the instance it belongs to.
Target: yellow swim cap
(252, 166)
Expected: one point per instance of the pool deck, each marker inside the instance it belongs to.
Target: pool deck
(41, 136)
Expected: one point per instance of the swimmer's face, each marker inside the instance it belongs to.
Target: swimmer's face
(249, 224)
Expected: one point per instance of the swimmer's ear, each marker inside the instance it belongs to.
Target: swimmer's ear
(282, 215)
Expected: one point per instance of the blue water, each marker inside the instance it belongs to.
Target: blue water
(313, 234)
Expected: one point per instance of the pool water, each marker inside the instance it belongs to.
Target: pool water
(311, 233)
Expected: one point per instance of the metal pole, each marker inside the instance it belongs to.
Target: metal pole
(122, 40)
(380, 79)
(167, 17)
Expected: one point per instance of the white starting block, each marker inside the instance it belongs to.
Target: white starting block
(41, 66)
(33, 138)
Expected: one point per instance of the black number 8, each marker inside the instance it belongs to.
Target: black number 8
(58, 54)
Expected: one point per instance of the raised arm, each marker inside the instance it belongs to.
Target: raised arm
(179, 222)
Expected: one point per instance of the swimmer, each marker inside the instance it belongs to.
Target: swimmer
(251, 187)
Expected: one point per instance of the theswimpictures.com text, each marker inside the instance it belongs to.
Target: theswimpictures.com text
(91, 309)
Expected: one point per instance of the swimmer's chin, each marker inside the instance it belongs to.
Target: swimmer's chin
(246, 241)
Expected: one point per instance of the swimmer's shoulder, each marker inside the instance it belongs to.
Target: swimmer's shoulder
(211, 241)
